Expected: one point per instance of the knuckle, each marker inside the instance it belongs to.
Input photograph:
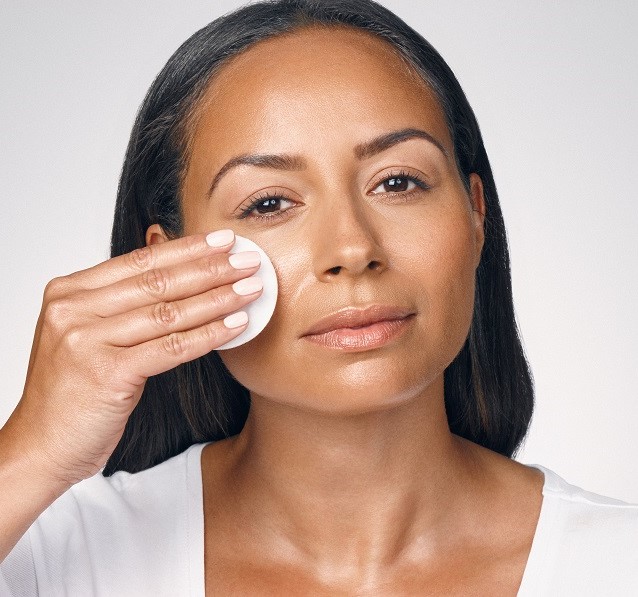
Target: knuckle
(175, 344)
(141, 258)
(55, 288)
(154, 282)
(214, 267)
(57, 313)
(192, 246)
(165, 314)
(74, 339)
(212, 335)
(218, 301)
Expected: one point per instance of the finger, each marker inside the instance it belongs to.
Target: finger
(160, 319)
(186, 248)
(168, 283)
(159, 355)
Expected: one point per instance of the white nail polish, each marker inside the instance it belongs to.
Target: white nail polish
(236, 320)
(261, 309)
(220, 238)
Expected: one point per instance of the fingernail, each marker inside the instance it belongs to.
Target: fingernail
(248, 285)
(236, 319)
(220, 238)
(245, 259)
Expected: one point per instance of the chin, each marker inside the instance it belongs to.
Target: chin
(341, 383)
(352, 390)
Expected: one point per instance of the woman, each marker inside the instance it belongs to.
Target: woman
(371, 460)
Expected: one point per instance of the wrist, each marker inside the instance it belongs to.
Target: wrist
(22, 462)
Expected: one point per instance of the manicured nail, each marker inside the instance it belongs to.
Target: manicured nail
(220, 238)
(245, 259)
(236, 319)
(248, 285)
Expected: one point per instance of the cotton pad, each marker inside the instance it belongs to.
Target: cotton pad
(260, 310)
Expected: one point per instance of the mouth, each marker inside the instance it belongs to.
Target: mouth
(354, 329)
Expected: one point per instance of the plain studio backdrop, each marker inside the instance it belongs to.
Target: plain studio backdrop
(554, 87)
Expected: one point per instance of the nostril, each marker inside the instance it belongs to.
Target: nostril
(335, 270)
(373, 265)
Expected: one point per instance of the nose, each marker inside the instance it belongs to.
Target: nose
(347, 240)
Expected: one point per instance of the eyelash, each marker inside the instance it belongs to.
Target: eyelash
(268, 195)
(417, 180)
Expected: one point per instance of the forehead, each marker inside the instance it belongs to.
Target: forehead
(324, 83)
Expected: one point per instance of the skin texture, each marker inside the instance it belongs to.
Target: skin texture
(346, 478)
(101, 333)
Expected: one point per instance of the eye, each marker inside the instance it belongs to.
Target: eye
(267, 206)
(399, 183)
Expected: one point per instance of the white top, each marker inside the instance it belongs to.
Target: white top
(143, 534)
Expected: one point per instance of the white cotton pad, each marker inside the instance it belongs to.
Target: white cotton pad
(259, 311)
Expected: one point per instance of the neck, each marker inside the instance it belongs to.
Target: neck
(349, 492)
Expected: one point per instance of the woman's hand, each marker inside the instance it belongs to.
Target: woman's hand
(103, 331)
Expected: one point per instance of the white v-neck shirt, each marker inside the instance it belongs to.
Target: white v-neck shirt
(142, 535)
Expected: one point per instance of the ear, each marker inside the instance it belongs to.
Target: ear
(477, 200)
(155, 234)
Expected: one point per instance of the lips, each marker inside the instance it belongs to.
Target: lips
(353, 318)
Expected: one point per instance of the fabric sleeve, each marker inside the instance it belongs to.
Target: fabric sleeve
(17, 571)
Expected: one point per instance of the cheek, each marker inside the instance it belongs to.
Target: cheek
(267, 363)
(438, 251)
(439, 259)
(431, 266)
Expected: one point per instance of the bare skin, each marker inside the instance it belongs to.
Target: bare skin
(346, 479)
(101, 333)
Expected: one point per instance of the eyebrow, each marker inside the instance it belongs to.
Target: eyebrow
(295, 162)
(383, 142)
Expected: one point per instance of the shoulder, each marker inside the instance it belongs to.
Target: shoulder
(129, 500)
(143, 528)
(585, 543)
(124, 493)
(590, 517)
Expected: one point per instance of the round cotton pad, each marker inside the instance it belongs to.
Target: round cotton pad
(259, 311)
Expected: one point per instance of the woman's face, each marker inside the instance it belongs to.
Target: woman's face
(349, 217)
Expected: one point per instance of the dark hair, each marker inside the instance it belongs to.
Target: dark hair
(488, 387)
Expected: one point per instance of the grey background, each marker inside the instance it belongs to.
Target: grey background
(555, 92)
